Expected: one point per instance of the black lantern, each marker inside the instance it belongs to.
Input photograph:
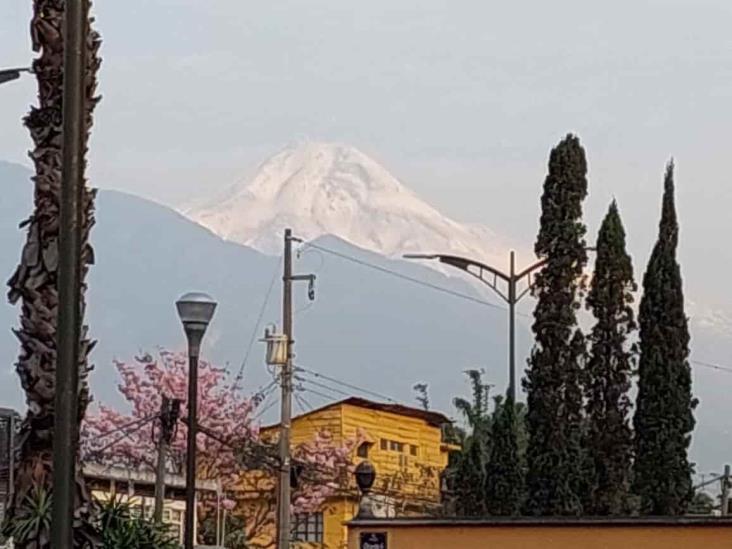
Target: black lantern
(365, 475)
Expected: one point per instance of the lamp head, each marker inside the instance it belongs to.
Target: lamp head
(195, 310)
(365, 476)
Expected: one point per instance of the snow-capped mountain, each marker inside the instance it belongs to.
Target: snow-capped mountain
(322, 189)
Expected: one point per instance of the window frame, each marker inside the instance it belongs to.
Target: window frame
(308, 527)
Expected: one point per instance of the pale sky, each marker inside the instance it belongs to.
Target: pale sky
(462, 100)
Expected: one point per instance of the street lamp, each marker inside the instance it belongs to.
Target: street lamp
(195, 310)
(7, 75)
(490, 276)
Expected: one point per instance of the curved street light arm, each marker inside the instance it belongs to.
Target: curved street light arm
(465, 264)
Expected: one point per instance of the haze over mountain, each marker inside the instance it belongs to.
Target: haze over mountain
(366, 327)
(322, 189)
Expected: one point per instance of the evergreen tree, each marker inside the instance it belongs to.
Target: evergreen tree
(609, 440)
(504, 473)
(664, 418)
(552, 381)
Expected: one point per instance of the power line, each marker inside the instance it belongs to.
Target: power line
(712, 366)
(262, 310)
(124, 436)
(406, 277)
(349, 385)
(329, 398)
(126, 426)
(323, 386)
(263, 410)
(301, 404)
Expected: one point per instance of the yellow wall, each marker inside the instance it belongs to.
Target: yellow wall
(409, 478)
(552, 537)
(399, 474)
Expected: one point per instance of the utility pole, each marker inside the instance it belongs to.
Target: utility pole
(68, 330)
(169, 412)
(725, 491)
(283, 498)
(283, 495)
(283, 486)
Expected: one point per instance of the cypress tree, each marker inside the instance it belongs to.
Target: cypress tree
(504, 474)
(554, 418)
(609, 440)
(664, 418)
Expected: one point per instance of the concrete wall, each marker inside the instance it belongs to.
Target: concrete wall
(405, 535)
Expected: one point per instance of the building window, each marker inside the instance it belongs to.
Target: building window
(363, 450)
(308, 527)
(395, 446)
(384, 444)
(413, 449)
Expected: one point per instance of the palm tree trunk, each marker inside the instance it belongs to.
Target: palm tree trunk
(34, 283)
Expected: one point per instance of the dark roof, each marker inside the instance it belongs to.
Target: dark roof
(689, 520)
(432, 418)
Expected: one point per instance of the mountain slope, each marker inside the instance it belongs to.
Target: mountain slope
(365, 327)
(320, 189)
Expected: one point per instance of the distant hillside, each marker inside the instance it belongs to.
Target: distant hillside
(366, 327)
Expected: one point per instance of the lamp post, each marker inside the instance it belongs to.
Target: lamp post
(8, 75)
(490, 276)
(69, 313)
(195, 310)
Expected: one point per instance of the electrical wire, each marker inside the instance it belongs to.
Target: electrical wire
(460, 295)
(263, 410)
(323, 386)
(711, 365)
(406, 277)
(124, 436)
(329, 398)
(260, 316)
(126, 426)
(348, 385)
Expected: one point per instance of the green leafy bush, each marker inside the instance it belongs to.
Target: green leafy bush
(120, 529)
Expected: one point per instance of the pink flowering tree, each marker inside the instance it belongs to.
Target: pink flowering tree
(229, 446)
(221, 411)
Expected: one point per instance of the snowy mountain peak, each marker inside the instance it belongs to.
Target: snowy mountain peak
(324, 188)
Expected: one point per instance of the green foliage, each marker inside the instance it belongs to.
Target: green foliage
(422, 395)
(469, 465)
(32, 520)
(122, 530)
(553, 379)
(664, 411)
(235, 531)
(609, 439)
(701, 504)
(504, 473)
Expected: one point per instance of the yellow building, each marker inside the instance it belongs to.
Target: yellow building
(404, 444)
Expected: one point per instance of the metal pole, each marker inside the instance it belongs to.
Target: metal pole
(725, 491)
(194, 344)
(162, 453)
(512, 282)
(68, 332)
(283, 494)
